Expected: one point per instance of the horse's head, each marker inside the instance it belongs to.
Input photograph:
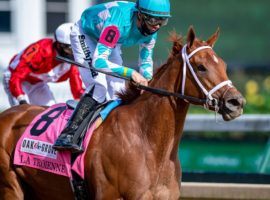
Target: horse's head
(204, 76)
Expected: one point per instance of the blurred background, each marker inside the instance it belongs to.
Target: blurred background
(243, 44)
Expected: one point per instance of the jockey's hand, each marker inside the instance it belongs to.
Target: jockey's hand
(22, 102)
(138, 78)
(21, 99)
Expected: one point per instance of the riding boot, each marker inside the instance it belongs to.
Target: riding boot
(66, 140)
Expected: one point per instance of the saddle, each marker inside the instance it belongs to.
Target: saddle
(86, 123)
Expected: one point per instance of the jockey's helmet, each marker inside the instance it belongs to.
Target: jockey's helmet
(152, 13)
(62, 33)
(62, 38)
(154, 8)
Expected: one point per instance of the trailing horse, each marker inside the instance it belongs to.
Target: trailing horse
(133, 153)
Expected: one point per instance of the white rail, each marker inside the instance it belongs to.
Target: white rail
(245, 123)
(222, 191)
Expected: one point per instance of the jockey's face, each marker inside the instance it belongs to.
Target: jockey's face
(149, 24)
(153, 28)
(64, 50)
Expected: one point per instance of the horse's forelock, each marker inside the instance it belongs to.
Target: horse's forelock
(177, 41)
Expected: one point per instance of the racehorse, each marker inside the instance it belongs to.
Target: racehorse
(133, 153)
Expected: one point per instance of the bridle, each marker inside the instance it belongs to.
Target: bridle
(210, 100)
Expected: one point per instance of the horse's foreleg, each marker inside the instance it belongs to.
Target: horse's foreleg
(10, 187)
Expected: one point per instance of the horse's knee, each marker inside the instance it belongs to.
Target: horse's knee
(147, 196)
(162, 193)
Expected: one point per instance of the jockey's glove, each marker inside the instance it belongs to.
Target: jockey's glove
(21, 99)
(22, 102)
(138, 78)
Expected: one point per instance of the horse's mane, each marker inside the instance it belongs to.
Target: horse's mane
(131, 92)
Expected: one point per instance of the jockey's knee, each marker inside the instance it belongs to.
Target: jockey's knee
(98, 92)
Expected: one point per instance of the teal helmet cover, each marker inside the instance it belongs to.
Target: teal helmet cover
(156, 8)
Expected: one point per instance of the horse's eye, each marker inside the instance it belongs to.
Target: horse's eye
(201, 68)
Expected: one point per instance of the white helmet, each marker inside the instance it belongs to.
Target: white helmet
(62, 33)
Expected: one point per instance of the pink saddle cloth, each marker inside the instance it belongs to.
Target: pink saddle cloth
(34, 148)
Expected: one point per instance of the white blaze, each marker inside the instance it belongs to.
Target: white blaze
(215, 58)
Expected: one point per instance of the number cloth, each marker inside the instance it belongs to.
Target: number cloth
(34, 149)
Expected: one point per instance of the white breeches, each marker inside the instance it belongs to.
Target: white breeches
(105, 87)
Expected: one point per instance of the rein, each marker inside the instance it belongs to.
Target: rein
(209, 101)
(159, 91)
(164, 92)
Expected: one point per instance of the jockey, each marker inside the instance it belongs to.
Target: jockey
(28, 73)
(96, 40)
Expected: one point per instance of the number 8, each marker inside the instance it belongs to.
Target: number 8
(47, 119)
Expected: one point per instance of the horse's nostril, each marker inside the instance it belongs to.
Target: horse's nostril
(234, 102)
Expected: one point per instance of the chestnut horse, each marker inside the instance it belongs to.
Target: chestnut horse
(133, 154)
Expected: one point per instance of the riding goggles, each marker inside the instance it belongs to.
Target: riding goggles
(154, 21)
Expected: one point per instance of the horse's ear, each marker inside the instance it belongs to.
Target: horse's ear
(190, 36)
(212, 40)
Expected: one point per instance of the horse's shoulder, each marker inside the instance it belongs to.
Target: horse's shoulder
(119, 120)
(119, 114)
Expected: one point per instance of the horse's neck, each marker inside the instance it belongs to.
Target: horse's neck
(164, 116)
